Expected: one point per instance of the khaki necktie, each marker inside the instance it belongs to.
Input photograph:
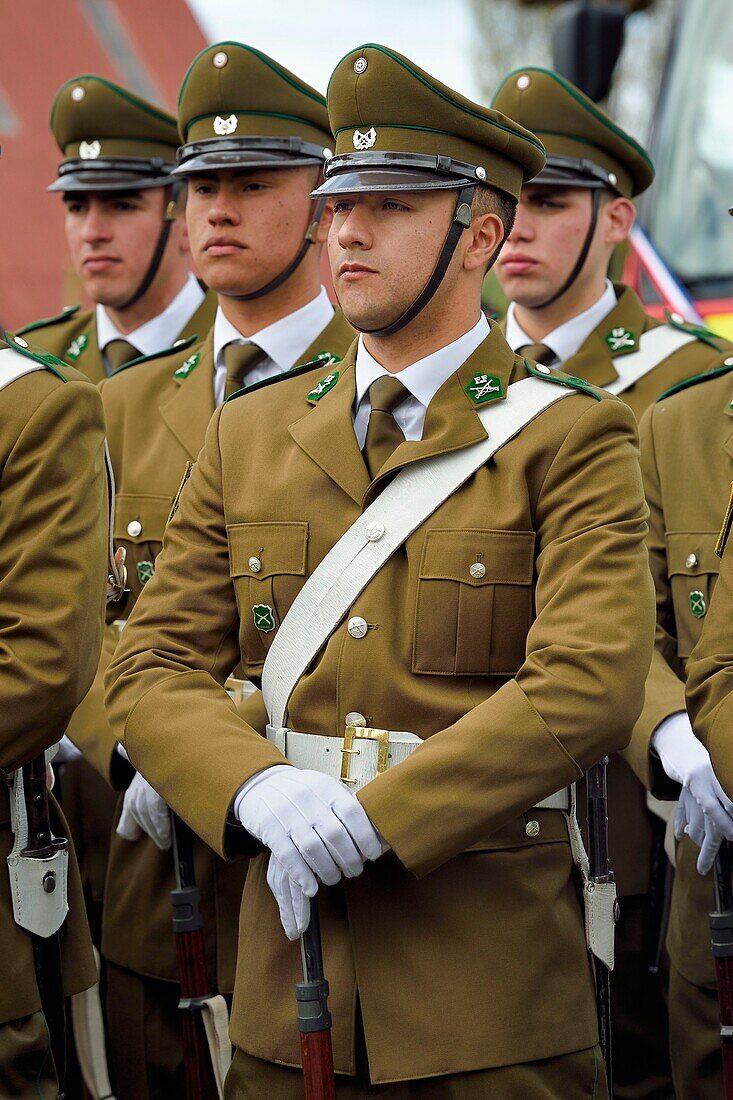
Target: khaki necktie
(119, 352)
(538, 353)
(239, 360)
(384, 433)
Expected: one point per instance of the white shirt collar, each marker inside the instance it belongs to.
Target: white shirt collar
(285, 340)
(567, 339)
(425, 377)
(161, 331)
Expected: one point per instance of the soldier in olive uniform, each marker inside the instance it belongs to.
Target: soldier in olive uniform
(566, 312)
(255, 140)
(53, 546)
(453, 933)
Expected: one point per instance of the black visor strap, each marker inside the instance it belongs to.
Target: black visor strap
(580, 262)
(172, 193)
(461, 220)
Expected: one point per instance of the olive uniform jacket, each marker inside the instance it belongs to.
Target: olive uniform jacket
(53, 569)
(157, 413)
(517, 681)
(72, 335)
(631, 825)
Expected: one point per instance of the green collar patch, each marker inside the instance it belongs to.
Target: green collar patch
(700, 331)
(485, 387)
(145, 571)
(560, 379)
(77, 347)
(17, 343)
(66, 313)
(621, 340)
(185, 368)
(321, 388)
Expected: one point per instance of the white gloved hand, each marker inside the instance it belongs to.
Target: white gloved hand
(144, 811)
(315, 829)
(704, 812)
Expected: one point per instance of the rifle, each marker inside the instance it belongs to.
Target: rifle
(721, 929)
(597, 801)
(38, 866)
(314, 1019)
(188, 927)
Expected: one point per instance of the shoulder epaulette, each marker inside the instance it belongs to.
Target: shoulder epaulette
(688, 383)
(568, 380)
(66, 314)
(50, 362)
(700, 331)
(324, 359)
(175, 349)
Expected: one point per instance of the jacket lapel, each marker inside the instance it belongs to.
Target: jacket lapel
(201, 321)
(594, 360)
(336, 338)
(188, 406)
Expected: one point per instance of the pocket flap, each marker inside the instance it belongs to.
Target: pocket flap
(506, 556)
(275, 547)
(692, 553)
(141, 518)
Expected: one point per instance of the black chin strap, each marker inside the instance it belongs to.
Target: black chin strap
(461, 220)
(595, 207)
(309, 239)
(173, 191)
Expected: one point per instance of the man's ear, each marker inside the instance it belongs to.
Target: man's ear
(325, 223)
(617, 216)
(485, 237)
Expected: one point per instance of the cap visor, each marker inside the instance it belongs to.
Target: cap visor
(241, 160)
(352, 181)
(106, 181)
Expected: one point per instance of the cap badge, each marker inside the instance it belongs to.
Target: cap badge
(185, 368)
(484, 387)
(698, 606)
(77, 347)
(89, 150)
(145, 570)
(360, 65)
(364, 141)
(621, 339)
(264, 617)
(323, 386)
(224, 126)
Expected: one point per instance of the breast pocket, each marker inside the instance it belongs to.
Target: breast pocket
(474, 603)
(140, 522)
(267, 563)
(693, 568)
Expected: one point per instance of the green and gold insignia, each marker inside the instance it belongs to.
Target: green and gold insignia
(264, 617)
(323, 386)
(145, 570)
(185, 368)
(484, 387)
(77, 347)
(698, 605)
(621, 340)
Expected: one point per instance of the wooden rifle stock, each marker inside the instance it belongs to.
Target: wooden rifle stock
(597, 799)
(721, 930)
(314, 1019)
(188, 927)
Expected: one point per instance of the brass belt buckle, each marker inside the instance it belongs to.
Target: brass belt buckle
(369, 734)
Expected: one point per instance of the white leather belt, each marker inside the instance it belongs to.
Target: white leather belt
(362, 754)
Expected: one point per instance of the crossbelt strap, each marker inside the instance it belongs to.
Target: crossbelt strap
(655, 345)
(360, 553)
(14, 365)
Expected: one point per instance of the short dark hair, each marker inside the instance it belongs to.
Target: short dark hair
(489, 200)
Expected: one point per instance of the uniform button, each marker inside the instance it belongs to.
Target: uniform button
(478, 570)
(612, 179)
(357, 627)
(728, 362)
(353, 718)
(691, 561)
(677, 318)
(255, 564)
(374, 531)
(523, 82)
(20, 342)
(532, 828)
(543, 369)
(134, 528)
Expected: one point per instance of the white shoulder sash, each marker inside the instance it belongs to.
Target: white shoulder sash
(14, 365)
(655, 345)
(405, 504)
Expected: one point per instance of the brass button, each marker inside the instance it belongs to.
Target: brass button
(357, 627)
(353, 718)
(374, 531)
(134, 528)
(255, 565)
(542, 369)
(691, 561)
(220, 59)
(532, 828)
(478, 570)
(523, 82)
(20, 342)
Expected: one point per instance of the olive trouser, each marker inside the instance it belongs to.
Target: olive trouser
(27, 1070)
(145, 1036)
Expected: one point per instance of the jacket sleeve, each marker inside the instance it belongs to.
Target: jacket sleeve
(165, 695)
(710, 677)
(665, 691)
(53, 568)
(580, 689)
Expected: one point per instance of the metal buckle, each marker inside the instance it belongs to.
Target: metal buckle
(369, 734)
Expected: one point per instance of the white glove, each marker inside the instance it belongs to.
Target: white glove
(144, 811)
(704, 812)
(315, 829)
